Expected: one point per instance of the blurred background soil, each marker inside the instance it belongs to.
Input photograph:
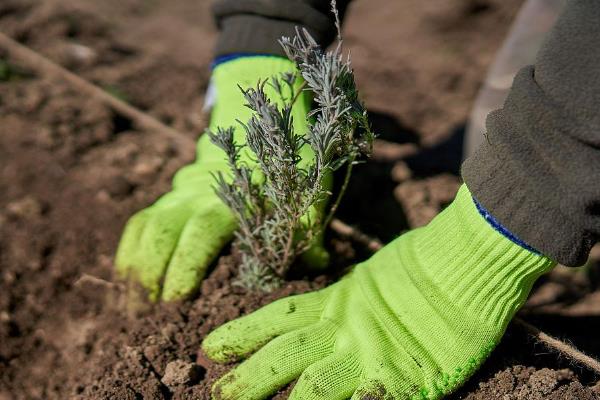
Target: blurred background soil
(72, 171)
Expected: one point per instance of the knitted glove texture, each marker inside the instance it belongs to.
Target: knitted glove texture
(412, 322)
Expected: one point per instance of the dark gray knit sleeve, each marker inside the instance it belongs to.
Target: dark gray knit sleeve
(538, 173)
(254, 26)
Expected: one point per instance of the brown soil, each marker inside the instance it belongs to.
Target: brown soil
(72, 172)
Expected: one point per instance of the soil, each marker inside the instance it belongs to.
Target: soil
(72, 171)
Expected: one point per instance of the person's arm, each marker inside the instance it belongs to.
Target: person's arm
(538, 172)
(255, 26)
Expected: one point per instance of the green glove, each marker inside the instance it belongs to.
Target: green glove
(167, 247)
(413, 322)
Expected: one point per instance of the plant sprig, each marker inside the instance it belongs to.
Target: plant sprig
(272, 201)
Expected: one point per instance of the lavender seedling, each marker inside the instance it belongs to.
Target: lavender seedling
(274, 213)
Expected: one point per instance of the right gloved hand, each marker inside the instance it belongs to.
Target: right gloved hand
(167, 247)
(412, 322)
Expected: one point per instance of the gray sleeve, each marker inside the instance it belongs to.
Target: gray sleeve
(538, 173)
(254, 26)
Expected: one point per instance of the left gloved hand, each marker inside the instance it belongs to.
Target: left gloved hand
(167, 247)
(412, 322)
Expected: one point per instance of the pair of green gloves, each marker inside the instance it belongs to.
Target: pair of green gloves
(412, 322)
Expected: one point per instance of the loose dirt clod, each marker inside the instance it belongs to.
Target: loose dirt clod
(180, 372)
(526, 383)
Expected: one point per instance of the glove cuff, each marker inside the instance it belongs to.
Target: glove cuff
(478, 268)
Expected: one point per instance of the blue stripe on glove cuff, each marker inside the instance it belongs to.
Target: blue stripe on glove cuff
(501, 229)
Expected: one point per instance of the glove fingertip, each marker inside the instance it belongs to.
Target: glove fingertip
(219, 388)
(176, 291)
(215, 347)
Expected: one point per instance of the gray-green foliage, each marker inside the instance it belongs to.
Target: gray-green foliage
(272, 202)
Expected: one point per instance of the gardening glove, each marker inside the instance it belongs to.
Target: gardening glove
(167, 247)
(412, 322)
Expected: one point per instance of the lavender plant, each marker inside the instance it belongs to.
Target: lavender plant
(273, 202)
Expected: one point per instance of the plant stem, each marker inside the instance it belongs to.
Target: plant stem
(337, 201)
(286, 254)
(560, 346)
(300, 90)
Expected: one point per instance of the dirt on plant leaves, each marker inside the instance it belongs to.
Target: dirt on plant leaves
(72, 171)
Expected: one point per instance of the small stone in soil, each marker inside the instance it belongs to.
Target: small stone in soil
(27, 207)
(180, 372)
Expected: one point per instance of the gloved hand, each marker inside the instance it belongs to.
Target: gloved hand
(412, 322)
(167, 247)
